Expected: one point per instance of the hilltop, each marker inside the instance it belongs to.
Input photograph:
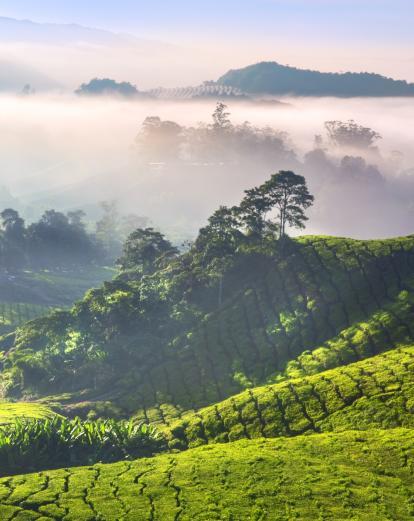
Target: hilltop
(275, 79)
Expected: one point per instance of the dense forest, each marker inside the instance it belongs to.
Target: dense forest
(59, 240)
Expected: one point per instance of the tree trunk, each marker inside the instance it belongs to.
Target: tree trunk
(220, 291)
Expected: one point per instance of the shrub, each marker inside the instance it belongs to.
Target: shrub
(31, 445)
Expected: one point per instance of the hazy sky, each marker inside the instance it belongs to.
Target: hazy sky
(384, 21)
(329, 35)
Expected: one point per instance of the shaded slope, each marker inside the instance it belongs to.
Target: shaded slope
(291, 302)
(384, 330)
(289, 307)
(338, 476)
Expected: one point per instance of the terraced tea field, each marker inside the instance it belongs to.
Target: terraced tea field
(13, 314)
(352, 475)
(344, 301)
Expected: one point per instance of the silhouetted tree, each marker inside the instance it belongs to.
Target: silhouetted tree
(221, 120)
(59, 240)
(107, 229)
(105, 87)
(288, 194)
(253, 209)
(13, 240)
(159, 141)
(221, 236)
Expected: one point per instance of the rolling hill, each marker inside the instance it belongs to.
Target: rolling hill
(352, 475)
(275, 79)
(288, 397)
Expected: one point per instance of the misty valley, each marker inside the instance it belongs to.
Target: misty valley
(206, 285)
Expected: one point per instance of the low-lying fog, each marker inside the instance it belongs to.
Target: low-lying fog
(67, 153)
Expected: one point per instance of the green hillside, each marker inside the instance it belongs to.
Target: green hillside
(189, 353)
(292, 363)
(377, 392)
(363, 476)
(9, 411)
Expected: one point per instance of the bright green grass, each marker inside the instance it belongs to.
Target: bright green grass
(377, 392)
(9, 411)
(357, 476)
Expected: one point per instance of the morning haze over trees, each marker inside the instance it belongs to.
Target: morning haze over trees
(59, 240)
(64, 240)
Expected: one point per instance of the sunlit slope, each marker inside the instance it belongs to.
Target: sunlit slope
(353, 475)
(10, 411)
(352, 298)
(374, 393)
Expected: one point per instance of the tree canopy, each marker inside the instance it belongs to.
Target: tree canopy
(143, 248)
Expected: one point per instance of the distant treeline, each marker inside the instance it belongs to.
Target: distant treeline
(62, 240)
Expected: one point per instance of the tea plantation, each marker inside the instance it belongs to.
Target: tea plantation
(279, 388)
(352, 475)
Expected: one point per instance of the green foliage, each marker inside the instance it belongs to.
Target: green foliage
(143, 249)
(31, 445)
(33, 294)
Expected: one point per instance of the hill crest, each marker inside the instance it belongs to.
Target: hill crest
(272, 78)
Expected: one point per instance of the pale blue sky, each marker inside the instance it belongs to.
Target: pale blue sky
(385, 21)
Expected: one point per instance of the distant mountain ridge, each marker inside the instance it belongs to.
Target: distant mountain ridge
(14, 30)
(26, 30)
(273, 78)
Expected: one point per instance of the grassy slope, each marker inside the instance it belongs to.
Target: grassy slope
(363, 476)
(9, 411)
